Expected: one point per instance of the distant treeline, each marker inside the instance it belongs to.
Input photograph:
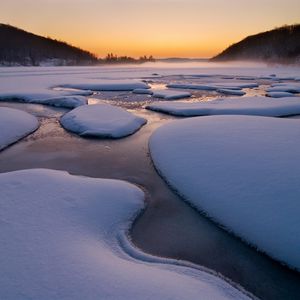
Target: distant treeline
(19, 47)
(112, 58)
(280, 45)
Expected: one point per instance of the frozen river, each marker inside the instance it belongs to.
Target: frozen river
(169, 227)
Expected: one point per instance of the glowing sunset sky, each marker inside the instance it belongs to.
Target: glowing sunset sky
(163, 28)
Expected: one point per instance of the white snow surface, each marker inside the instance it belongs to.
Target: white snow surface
(242, 171)
(283, 87)
(102, 120)
(37, 84)
(169, 94)
(231, 92)
(280, 94)
(68, 101)
(192, 86)
(259, 106)
(60, 239)
(143, 91)
(110, 85)
(14, 125)
(214, 86)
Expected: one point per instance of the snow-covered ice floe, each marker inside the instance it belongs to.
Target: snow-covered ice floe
(284, 87)
(102, 120)
(64, 237)
(192, 86)
(242, 171)
(170, 94)
(279, 94)
(109, 85)
(68, 101)
(259, 106)
(214, 86)
(143, 91)
(231, 92)
(14, 125)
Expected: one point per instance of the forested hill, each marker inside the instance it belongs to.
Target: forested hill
(18, 47)
(279, 45)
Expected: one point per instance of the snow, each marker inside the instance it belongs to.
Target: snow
(15, 124)
(102, 120)
(35, 84)
(231, 92)
(280, 94)
(109, 85)
(192, 86)
(66, 101)
(233, 85)
(260, 106)
(170, 94)
(143, 91)
(242, 171)
(284, 88)
(63, 237)
(47, 99)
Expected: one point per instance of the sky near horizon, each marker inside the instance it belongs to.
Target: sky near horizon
(163, 28)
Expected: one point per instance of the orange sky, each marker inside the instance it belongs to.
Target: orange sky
(163, 28)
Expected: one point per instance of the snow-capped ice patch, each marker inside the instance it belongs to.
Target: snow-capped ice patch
(73, 92)
(284, 88)
(68, 101)
(280, 94)
(231, 92)
(236, 85)
(102, 120)
(170, 94)
(65, 101)
(268, 77)
(192, 86)
(214, 86)
(14, 125)
(243, 171)
(246, 78)
(60, 239)
(143, 91)
(109, 85)
(259, 106)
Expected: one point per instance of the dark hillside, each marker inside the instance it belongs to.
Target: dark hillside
(279, 45)
(18, 47)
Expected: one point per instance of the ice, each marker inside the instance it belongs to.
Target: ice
(214, 86)
(64, 237)
(66, 101)
(259, 106)
(109, 85)
(246, 78)
(143, 91)
(47, 99)
(170, 94)
(284, 88)
(192, 86)
(236, 85)
(102, 120)
(37, 84)
(14, 125)
(242, 171)
(231, 92)
(279, 94)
